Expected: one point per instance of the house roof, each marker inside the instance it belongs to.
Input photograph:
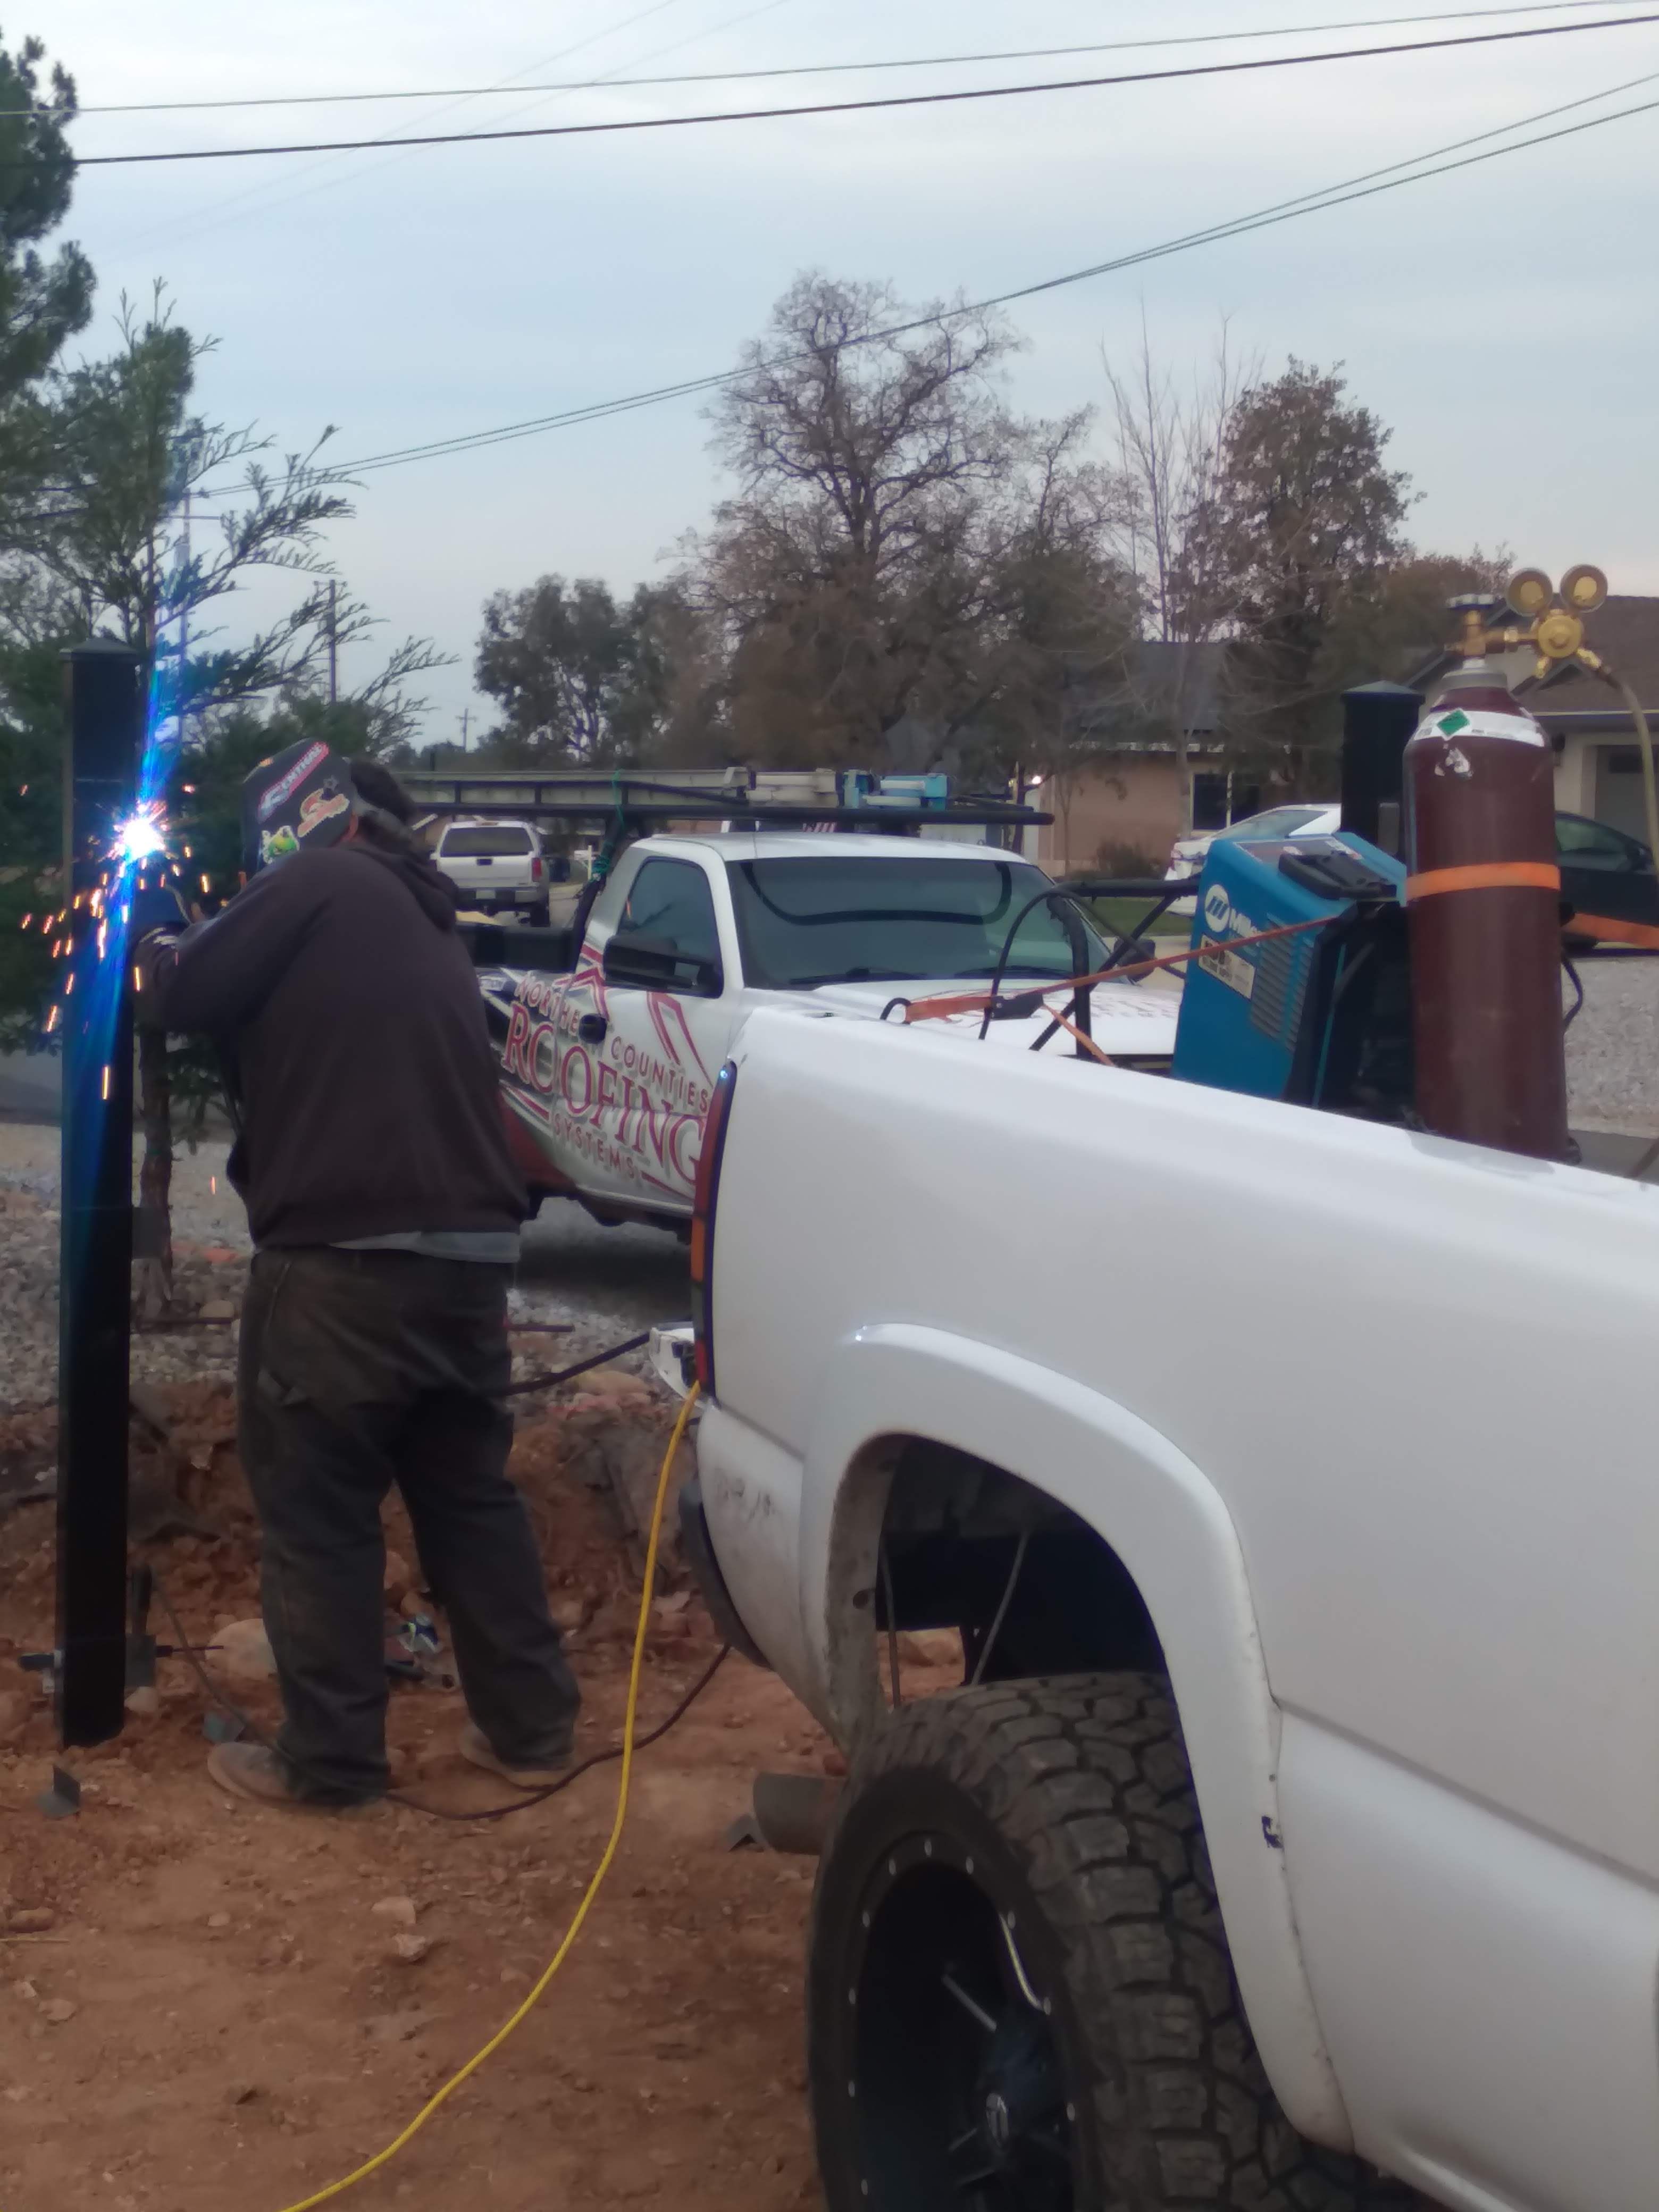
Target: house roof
(1624, 632)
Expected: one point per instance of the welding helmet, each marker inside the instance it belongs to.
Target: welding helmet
(298, 801)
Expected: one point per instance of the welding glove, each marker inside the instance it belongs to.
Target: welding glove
(157, 910)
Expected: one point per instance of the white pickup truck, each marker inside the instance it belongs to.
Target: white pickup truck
(607, 1061)
(1291, 1479)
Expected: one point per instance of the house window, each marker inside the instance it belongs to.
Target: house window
(1210, 801)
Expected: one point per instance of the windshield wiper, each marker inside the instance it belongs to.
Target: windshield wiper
(856, 975)
(1020, 967)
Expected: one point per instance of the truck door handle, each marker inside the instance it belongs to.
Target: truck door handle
(592, 1028)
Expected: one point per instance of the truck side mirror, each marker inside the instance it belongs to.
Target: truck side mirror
(635, 962)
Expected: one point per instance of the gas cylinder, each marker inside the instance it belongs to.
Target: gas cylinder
(1483, 893)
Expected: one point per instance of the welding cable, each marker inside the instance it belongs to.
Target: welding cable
(1577, 1005)
(568, 1374)
(530, 1794)
(578, 1919)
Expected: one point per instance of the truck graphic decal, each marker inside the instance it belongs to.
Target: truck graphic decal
(635, 1114)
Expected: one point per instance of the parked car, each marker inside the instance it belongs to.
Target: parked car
(1608, 880)
(1307, 819)
(1607, 877)
(499, 867)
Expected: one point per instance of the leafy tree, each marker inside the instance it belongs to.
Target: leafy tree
(129, 454)
(581, 678)
(43, 300)
(33, 734)
(118, 549)
(1390, 631)
(1304, 527)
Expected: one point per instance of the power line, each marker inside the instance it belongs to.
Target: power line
(866, 106)
(824, 68)
(268, 193)
(1369, 183)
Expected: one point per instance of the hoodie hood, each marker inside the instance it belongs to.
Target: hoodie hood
(429, 886)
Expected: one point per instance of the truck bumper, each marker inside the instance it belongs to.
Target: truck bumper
(700, 1554)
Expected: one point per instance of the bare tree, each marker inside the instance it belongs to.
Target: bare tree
(1172, 444)
(903, 562)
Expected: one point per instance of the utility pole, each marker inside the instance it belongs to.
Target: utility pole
(333, 645)
(184, 623)
(466, 717)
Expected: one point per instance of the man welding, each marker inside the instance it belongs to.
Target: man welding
(384, 1209)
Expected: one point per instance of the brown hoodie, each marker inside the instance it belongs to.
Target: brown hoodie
(337, 985)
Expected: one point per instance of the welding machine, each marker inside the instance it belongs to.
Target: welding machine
(1319, 1015)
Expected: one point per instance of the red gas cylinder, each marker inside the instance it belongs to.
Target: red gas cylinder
(1483, 893)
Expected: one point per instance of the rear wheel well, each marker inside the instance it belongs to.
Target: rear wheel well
(960, 1535)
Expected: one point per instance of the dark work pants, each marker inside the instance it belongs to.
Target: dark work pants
(358, 1369)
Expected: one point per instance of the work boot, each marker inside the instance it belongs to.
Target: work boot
(476, 1750)
(251, 1770)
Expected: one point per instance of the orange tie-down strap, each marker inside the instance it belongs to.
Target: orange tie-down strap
(1616, 932)
(1486, 876)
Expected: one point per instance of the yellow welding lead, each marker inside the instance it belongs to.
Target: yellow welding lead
(383, 2158)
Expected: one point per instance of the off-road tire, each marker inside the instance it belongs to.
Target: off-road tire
(1076, 1798)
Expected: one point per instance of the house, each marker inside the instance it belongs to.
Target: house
(1125, 801)
(1598, 763)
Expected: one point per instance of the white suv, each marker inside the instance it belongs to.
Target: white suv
(497, 866)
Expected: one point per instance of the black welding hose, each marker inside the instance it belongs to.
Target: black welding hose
(529, 1796)
(566, 1374)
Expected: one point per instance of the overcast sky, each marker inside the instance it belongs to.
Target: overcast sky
(1501, 319)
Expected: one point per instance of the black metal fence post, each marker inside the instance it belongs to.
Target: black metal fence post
(1377, 720)
(108, 688)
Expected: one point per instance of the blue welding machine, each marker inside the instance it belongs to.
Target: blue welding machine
(1320, 1015)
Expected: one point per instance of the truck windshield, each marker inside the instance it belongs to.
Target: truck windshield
(803, 921)
(486, 840)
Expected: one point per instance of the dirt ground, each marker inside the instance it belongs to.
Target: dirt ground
(202, 2008)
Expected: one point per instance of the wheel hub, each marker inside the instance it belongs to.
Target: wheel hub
(960, 2089)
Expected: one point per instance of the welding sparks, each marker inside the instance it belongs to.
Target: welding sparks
(141, 835)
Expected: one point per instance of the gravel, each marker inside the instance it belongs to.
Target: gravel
(1613, 1048)
(603, 1284)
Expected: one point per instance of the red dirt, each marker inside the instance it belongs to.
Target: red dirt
(200, 2011)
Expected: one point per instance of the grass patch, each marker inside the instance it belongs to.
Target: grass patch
(1114, 915)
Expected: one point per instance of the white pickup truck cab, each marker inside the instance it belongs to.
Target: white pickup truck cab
(1291, 1480)
(607, 1066)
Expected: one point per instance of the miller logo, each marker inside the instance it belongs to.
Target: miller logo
(1217, 911)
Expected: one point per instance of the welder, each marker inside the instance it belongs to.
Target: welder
(385, 1210)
